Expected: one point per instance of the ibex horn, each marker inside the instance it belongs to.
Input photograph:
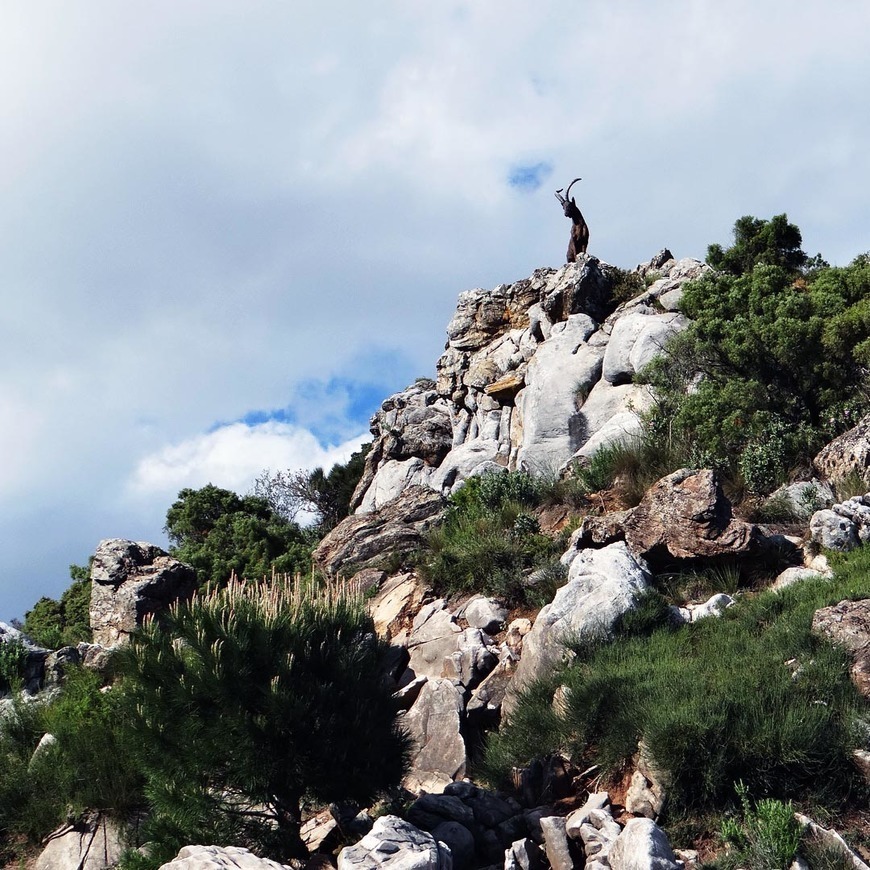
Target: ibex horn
(571, 185)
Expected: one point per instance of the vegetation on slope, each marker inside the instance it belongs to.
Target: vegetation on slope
(753, 696)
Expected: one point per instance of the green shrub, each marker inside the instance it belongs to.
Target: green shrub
(767, 837)
(250, 699)
(13, 655)
(489, 542)
(53, 624)
(772, 364)
(701, 697)
(220, 533)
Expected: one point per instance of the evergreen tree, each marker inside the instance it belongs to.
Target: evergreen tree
(249, 699)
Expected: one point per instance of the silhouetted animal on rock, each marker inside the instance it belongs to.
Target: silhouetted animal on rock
(579, 231)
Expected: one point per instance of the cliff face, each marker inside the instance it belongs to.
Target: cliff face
(534, 374)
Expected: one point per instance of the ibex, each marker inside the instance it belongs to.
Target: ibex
(579, 231)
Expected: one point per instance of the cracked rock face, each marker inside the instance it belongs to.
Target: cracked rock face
(132, 580)
(395, 844)
(534, 374)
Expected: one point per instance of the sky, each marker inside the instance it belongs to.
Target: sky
(231, 228)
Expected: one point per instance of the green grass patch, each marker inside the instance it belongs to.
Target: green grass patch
(752, 696)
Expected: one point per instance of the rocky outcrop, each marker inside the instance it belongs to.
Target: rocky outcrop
(848, 454)
(396, 528)
(684, 516)
(602, 586)
(132, 580)
(433, 724)
(642, 845)
(534, 373)
(394, 844)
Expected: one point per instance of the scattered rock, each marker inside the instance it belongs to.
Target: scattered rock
(556, 843)
(484, 613)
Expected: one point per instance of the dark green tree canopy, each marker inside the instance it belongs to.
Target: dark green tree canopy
(250, 698)
(219, 533)
(775, 360)
(773, 242)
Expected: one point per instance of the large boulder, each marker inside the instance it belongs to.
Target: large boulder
(844, 526)
(848, 454)
(637, 338)
(685, 516)
(398, 527)
(132, 580)
(394, 844)
(559, 377)
(220, 858)
(602, 586)
(642, 845)
(93, 843)
(433, 724)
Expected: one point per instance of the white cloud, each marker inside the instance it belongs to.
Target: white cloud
(232, 456)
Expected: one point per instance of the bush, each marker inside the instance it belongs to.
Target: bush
(701, 698)
(768, 835)
(89, 766)
(249, 700)
(13, 655)
(489, 542)
(773, 362)
(53, 624)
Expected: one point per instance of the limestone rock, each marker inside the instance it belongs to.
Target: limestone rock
(602, 586)
(560, 375)
(398, 527)
(132, 580)
(684, 516)
(433, 723)
(94, 843)
(220, 858)
(523, 854)
(848, 624)
(556, 843)
(610, 415)
(847, 454)
(395, 844)
(832, 531)
(642, 845)
(487, 614)
(399, 597)
(637, 338)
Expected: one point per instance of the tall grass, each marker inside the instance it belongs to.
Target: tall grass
(751, 696)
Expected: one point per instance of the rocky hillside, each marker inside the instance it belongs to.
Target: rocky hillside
(508, 766)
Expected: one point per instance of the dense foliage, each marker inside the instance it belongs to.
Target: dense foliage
(220, 533)
(775, 359)
(248, 700)
(490, 541)
(89, 766)
(53, 624)
(702, 698)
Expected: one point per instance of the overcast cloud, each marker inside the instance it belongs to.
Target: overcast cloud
(230, 228)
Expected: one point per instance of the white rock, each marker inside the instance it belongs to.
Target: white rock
(642, 845)
(637, 338)
(391, 480)
(395, 844)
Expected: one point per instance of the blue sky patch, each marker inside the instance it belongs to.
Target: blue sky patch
(530, 176)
